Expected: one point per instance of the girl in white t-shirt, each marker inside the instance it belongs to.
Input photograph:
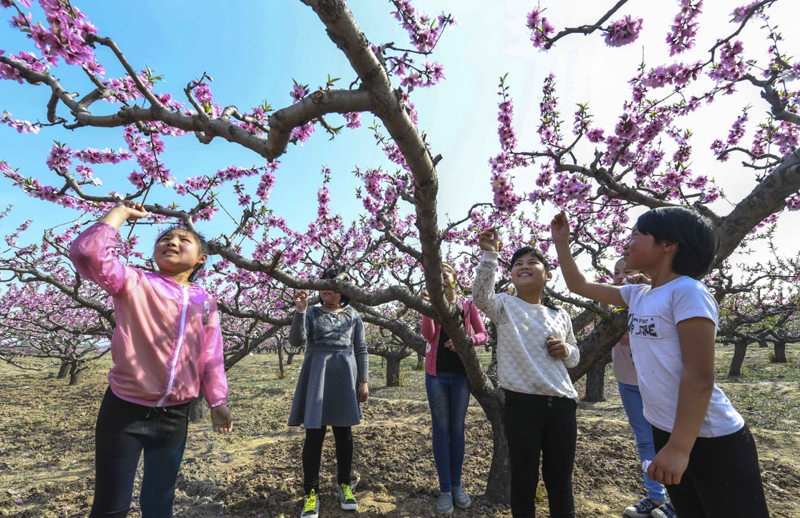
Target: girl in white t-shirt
(705, 454)
(535, 346)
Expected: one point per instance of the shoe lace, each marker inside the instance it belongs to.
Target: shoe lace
(311, 502)
(348, 495)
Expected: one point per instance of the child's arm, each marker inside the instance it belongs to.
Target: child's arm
(576, 282)
(92, 252)
(214, 383)
(483, 287)
(479, 334)
(696, 337)
(297, 333)
(362, 362)
(428, 327)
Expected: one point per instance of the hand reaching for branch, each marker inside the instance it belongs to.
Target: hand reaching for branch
(301, 301)
(124, 210)
(489, 240)
(559, 228)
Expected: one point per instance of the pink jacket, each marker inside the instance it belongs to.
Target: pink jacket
(430, 331)
(163, 352)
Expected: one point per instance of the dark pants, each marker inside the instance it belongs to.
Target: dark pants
(123, 430)
(721, 480)
(547, 425)
(312, 455)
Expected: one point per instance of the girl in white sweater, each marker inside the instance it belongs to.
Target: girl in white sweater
(535, 345)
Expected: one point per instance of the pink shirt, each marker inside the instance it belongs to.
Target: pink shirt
(163, 351)
(624, 370)
(430, 331)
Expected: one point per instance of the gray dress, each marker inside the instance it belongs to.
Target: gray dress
(336, 360)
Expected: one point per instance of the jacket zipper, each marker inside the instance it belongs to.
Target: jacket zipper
(176, 355)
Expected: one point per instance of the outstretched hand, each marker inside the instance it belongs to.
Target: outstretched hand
(559, 228)
(301, 301)
(221, 419)
(489, 240)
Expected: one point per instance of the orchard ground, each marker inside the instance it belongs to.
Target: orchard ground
(47, 434)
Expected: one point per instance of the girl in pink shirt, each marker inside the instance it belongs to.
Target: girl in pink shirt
(166, 346)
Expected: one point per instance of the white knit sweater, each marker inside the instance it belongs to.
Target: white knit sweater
(523, 361)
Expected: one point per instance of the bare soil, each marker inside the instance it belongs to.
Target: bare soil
(47, 440)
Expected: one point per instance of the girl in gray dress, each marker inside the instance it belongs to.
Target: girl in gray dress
(332, 383)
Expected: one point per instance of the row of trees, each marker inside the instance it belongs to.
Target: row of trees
(600, 172)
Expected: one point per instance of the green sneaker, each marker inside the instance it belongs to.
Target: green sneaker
(346, 498)
(310, 506)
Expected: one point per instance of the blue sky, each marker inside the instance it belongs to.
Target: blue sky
(254, 49)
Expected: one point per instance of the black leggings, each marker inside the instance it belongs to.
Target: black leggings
(312, 455)
(721, 480)
(123, 430)
(541, 425)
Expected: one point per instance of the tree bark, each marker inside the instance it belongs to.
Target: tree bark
(198, 409)
(75, 373)
(780, 352)
(595, 382)
(498, 484)
(281, 367)
(420, 362)
(739, 352)
(393, 371)
(63, 370)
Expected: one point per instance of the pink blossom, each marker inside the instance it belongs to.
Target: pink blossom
(623, 31)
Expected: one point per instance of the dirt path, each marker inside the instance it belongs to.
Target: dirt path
(46, 452)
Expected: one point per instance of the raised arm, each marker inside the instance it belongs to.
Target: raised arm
(576, 282)
(297, 333)
(483, 287)
(93, 255)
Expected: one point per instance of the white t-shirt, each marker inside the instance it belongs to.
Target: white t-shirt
(653, 315)
(523, 361)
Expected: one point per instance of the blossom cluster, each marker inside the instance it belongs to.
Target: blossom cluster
(684, 28)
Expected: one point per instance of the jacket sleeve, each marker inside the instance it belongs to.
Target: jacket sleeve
(360, 350)
(428, 328)
(483, 289)
(215, 382)
(92, 253)
(297, 333)
(479, 334)
(574, 355)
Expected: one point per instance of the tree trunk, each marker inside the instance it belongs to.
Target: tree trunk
(75, 373)
(289, 358)
(420, 362)
(198, 409)
(392, 371)
(63, 370)
(780, 352)
(739, 351)
(595, 382)
(281, 367)
(763, 343)
(498, 483)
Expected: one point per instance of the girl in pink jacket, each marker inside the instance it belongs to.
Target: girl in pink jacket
(447, 387)
(166, 346)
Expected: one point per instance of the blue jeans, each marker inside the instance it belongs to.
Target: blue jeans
(448, 396)
(642, 434)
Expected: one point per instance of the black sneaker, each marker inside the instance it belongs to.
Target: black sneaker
(665, 511)
(642, 509)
